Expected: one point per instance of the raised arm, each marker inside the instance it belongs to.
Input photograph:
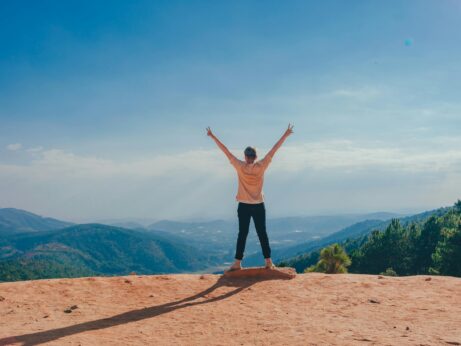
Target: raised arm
(279, 143)
(220, 145)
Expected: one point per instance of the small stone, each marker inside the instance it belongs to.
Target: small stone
(127, 281)
(46, 316)
(380, 277)
(428, 279)
(374, 301)
(2, 299)
(202, 277)
(70, 309)
(151, 296)
(407, 328)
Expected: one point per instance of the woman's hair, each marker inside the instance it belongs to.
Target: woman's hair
(250, 152)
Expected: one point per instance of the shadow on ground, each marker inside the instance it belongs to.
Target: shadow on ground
(139, 314)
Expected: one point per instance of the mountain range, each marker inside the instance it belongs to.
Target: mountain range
(13, 221)
(98, 249)
(32, 246)
(221, 235)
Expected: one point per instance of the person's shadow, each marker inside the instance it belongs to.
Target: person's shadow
(135, 315)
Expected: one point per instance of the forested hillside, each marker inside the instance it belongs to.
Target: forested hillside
(95, 249)
(430, 245)
(306, 251)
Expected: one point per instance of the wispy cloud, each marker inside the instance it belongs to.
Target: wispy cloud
(56, 162)
(361, 94)
(361, 156)
(35, 149)
(14, 147)
(321, 175)
(309, 156)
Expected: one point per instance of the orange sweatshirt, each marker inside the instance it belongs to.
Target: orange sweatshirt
(251, 179)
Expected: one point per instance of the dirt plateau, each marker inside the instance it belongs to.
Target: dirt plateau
(189, 309)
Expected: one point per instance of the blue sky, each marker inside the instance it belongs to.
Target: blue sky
(103, 105)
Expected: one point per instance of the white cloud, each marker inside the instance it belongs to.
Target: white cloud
(14, 147)
(59, 163)
(319, 176)
(310, 156)
(352, 156)
(362, 94)
(35, 149)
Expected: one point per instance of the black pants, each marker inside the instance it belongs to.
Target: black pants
(258, 213)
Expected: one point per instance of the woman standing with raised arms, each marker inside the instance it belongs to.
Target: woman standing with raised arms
(250, 195)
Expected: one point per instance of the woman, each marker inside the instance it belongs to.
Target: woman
(250, 196)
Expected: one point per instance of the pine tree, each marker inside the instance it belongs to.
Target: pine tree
(447, 256)
(333, 260)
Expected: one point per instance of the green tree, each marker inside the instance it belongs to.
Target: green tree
(447, 255)
(431, 244)
(333, 260)
(458, 206)
(389, 272)
(388, 249)
(425, 245)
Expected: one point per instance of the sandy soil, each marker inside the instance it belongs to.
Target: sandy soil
(311, 309)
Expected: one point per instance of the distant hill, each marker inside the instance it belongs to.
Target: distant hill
(126, 224)
(34, 247)
(300, 253)
(13, 221)
(221, 235)
(354, 231)
(99, 249)
(217, 235)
